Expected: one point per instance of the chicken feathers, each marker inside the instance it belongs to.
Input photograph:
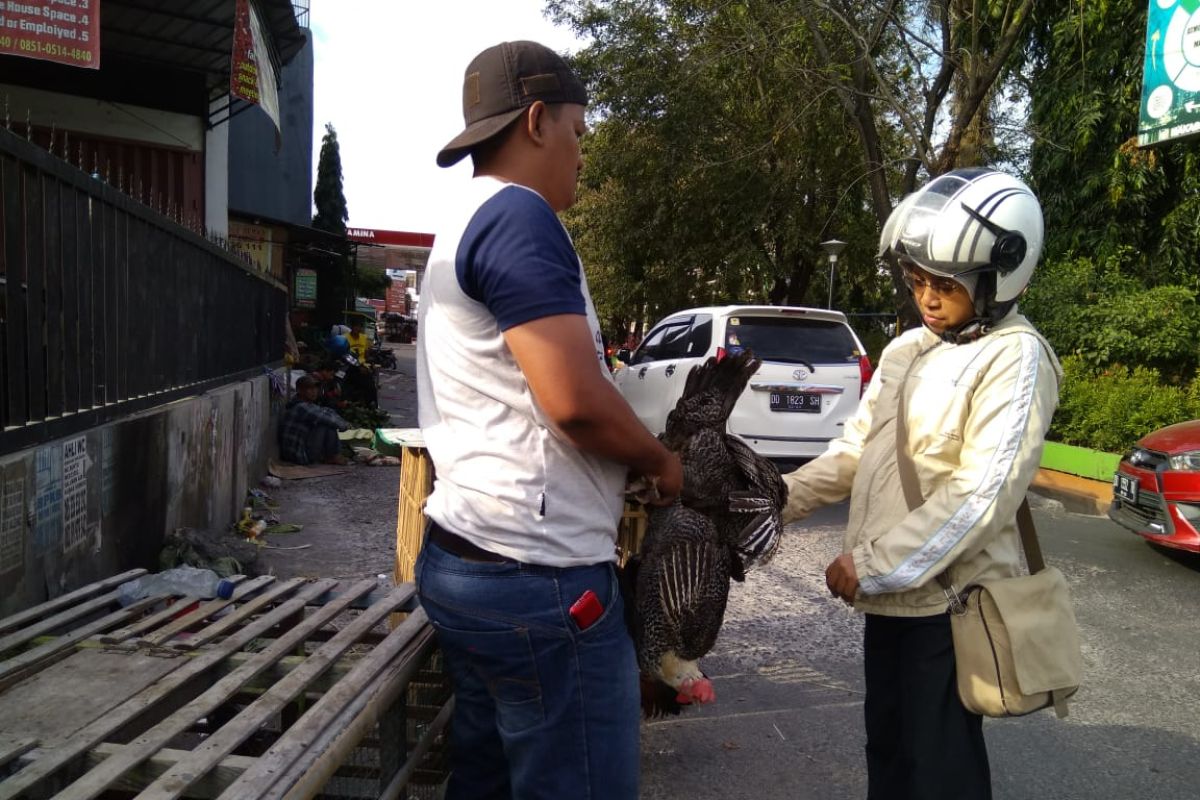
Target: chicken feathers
(727, 521)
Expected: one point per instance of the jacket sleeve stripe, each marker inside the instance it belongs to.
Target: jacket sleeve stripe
(968, 514)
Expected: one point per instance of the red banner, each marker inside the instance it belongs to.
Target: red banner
(252, 77)
(65, 31)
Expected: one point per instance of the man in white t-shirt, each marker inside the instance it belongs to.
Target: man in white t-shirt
(532, 447)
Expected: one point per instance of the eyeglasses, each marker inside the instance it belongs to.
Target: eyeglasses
(942, 287)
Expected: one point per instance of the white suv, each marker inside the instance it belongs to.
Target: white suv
(813, 373)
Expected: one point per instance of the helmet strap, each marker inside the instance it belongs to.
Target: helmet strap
(988, 312)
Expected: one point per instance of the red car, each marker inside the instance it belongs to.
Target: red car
(1156, 491)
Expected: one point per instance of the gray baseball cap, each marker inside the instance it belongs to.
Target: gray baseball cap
(500, 83)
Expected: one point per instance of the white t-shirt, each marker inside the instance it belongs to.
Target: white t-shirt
(504, 480)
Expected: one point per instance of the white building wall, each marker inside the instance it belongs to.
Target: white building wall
(216, 174)
(102, 118)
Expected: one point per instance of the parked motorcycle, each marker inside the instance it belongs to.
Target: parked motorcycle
(357, 380)
(380, 356)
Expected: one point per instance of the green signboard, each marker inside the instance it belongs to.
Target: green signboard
(1171, 80)
(306, 288)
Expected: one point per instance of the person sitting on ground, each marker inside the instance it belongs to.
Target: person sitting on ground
(308, 432)
(329, 394)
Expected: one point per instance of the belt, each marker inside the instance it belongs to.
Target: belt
(456, 545)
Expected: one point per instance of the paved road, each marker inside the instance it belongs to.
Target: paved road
(787, 668)
(788, 719)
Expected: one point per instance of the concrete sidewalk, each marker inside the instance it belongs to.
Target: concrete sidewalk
(1078, 495)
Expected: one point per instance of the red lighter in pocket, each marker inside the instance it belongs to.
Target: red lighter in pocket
(586, 610)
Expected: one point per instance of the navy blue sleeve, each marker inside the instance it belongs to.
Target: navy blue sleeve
(516, 259)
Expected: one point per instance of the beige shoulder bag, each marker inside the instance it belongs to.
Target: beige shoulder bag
(1016, 642)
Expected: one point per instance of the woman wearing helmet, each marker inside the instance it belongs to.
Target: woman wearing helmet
(979, 385)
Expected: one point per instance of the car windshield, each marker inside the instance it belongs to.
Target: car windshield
(792, 340)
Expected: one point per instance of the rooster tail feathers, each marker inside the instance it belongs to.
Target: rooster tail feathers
(726, 377)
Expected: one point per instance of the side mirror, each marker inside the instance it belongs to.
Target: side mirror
(623, 355)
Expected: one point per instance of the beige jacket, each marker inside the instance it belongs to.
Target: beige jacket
(976, 416)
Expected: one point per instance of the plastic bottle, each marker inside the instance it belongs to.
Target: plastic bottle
(189, 581)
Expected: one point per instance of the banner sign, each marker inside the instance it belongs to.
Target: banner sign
(252, 77)
(1171, 78)
(306, 288)
(66, 31)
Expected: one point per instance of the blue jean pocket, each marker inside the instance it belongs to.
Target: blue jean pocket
(504, 663)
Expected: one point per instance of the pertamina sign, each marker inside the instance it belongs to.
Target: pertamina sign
(1171, 78)
(64, 31)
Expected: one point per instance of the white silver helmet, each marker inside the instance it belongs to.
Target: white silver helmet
(974, 221)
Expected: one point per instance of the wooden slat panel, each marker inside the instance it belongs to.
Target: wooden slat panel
(14, 291)
(244, 612)
(188, 669)
(210, 785)
(35, 300)
(19, 667)
(209, 753)
(174, 612)
(315, 746)
(11, 748)
(206, 610)
(95, 782)
(56, 622)
(23, 618)
(54, 297)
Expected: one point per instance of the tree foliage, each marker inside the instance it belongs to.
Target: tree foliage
(1104, 197)
(341, 282)
(731, 138)
(329, 197)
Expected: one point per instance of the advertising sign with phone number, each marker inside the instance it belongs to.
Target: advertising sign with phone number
(63, 31)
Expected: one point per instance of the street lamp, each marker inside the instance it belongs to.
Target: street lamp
(833, 248)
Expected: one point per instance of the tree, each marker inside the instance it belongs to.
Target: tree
(329, 196)
(712, 174)
(1103, 197)
(732, 137)
(344, 280)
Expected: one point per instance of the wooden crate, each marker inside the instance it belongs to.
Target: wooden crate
(283, 690)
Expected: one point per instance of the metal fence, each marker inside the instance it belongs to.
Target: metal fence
(108, 307)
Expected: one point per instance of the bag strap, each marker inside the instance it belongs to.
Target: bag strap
(913, 497)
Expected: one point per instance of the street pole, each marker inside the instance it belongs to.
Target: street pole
(833, 247)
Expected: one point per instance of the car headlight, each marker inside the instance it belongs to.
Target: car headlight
(1185, 461)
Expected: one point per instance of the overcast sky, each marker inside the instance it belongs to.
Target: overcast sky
(389, 77)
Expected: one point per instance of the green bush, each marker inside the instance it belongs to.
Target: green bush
(1098, 311)
(1111, 409)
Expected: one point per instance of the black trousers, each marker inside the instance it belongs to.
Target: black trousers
(323, 443)
(921, 743)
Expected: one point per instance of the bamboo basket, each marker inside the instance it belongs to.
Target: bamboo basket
(416, 482)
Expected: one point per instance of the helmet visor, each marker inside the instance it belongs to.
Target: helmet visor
(922, 237)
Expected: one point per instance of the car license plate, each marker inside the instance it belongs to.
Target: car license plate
(804, 402)
(1125, 487)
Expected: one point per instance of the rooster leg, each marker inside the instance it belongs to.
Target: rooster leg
(686, 678)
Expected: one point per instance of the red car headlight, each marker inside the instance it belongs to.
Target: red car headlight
(1187, 462)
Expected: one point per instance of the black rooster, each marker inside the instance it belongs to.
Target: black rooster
(727, 520)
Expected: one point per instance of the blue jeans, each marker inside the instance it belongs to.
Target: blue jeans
(542, 709)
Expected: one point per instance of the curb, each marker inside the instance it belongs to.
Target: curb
(1078, 495)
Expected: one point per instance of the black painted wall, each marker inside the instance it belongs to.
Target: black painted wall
(270, 183)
